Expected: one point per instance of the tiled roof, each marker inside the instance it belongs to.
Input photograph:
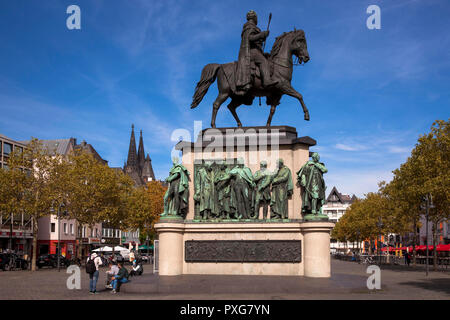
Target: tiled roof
(59, 146)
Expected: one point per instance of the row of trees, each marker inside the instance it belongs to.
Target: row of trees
(38, 182)
(401, 203)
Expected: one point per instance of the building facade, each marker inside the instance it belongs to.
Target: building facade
(335, 207)
(72, 236)
(15, 230)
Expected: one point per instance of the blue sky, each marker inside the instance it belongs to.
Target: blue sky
(370, 93)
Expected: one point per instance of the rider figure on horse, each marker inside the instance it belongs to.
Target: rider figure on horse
(250, 50)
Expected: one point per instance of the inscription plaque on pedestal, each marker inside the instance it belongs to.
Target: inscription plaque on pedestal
(286, 251)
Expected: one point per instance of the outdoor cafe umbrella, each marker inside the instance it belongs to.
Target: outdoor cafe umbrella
(145, 247)
(119, 248)
(103, 249)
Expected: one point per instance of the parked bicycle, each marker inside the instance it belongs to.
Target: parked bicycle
(11, 261)
(366, 260)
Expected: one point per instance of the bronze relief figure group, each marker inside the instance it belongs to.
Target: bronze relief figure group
(224, 191)
(232, 192)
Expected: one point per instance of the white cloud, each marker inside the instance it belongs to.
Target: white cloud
(358, 181)
(398, 149)
(353, 147)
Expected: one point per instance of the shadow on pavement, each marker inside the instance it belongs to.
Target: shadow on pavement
(419, 268)
(437, 285)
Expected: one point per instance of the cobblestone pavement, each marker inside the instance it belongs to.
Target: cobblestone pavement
(348, 281)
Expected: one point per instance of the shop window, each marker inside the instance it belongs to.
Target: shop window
(52, 227)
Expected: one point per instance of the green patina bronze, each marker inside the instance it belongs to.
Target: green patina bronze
(242, 190)
(205, 195)
(176, 198)
(310, 178)
(282, 189)
(223, 188)
(262, 179)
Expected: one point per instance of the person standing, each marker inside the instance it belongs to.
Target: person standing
(92, 264)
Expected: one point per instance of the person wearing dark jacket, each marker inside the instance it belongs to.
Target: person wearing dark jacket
(121, 277)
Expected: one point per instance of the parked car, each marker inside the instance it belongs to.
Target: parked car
(11, 261)
(118, 257)
(146, 257)
(51, 260)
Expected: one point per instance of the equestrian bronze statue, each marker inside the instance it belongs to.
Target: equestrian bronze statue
(255, 74)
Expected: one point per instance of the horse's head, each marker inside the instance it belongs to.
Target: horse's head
(299, 47)
(291, 43)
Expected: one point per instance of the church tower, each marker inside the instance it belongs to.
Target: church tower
(138, 167)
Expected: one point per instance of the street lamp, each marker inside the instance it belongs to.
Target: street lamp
(380, 226)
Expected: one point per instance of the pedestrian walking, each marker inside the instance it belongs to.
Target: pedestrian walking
(92, 264)
(120, 278)
(407, 258)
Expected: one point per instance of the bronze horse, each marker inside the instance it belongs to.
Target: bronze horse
(281, 64)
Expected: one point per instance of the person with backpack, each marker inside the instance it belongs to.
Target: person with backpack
(92, 264)
(121, 277)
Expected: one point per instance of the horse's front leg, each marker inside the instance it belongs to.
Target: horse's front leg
(232, 107)
(287, 89)
(272, 111)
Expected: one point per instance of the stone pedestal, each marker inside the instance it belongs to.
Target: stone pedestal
(246, 247)
(170, 248)
(293, 248)
(316, 237)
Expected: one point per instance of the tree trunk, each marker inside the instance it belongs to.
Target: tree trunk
(435, 235)
(34, 252)
(414, 242)
(79, 240)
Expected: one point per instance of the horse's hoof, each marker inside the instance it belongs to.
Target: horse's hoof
(239, 125)
(213, 125)
(268, 124)
(307, 116)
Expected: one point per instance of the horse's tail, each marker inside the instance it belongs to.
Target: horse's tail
(208, 77)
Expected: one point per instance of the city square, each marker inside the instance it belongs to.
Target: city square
(198, 151)
(347, 281)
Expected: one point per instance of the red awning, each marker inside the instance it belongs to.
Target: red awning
(443, 247)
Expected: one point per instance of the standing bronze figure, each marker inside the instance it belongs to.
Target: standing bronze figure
(270, 77)
(282, 188)
(223, 188)
(310, 177)
(205, 192)
(262, 179)
(176, 198)
(242, 191)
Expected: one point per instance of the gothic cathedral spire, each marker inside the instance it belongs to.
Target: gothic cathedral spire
(132, 162)
(138, 167)
(141, 153)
